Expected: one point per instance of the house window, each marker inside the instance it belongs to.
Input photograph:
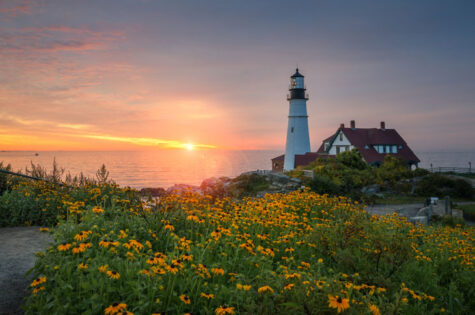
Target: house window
(341, 136)
(292, 129)
(394, 147)
(366, 147)
(325, 146)
(400, 147)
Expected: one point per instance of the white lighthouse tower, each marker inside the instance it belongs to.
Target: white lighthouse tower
(298, 140)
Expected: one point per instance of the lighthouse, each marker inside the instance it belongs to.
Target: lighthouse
(298, 140)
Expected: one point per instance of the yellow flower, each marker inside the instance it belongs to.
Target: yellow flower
(217, 271)
(36, 290)
(289, 286)
(207, 296)
(82, 266)
(185, 299)
(113, 274)
(103, 268)
(339, 303)
(64, 247)
(44, 229)
(320, 260)
(81, 236)
(265, 289)
(169, 227)
(97, 210)
(374, 309)
(223, 310)
(38, 281)
(115, 308)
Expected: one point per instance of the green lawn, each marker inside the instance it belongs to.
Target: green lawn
(398, 200)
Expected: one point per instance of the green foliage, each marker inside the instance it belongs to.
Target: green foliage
(5, 179)
(447, 220)
(440, 186)
(468, 211)
(102, 175)
(248, 185)
(392, 170)
(346, 175)
(323, 185)
(304, 247)
(352, 159)
(29, 202)
(419, 172)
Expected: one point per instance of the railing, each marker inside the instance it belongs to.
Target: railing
(460, 170)
(26, 176)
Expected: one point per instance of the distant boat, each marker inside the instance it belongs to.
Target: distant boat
(36, 154)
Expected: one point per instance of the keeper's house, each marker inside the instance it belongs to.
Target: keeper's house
(373, 144)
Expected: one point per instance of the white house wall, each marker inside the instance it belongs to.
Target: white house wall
(344, 143)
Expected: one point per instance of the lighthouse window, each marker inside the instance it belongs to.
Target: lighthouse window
(292, 129)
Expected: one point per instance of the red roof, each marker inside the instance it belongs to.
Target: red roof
(364, 139)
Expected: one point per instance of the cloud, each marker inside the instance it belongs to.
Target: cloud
(31, 40)
(12, 8)
(153, 142)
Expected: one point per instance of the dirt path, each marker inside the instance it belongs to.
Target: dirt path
(18, 246)
(409, 209)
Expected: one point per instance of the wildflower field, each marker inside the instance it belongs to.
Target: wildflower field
(300, 252)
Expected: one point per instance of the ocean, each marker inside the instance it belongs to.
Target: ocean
(164, 168)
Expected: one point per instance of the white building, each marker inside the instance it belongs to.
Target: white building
(298, 140)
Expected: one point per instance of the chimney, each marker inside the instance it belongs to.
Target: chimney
(342, 126)
(383, 125)
(352, 123)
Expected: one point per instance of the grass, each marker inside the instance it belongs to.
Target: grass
(468, 211)
(398, 200)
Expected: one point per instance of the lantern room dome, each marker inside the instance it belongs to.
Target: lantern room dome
(297, 74)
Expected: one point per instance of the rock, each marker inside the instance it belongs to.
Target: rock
(155, 192)
(183, 188)
(371, 189)
(419, 219)
(423, 212)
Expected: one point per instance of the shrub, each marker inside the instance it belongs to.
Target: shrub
(323, 185)
(419, 172)
(440, 186)
(392, 170)
(248, 185)
(4, 178)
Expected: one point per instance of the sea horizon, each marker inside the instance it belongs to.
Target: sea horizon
(167, 167)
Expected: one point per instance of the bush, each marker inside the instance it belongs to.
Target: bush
(5, 178)
(392, 170)
(440, 186)
(323, 185)
(248, 185)
(419, 172)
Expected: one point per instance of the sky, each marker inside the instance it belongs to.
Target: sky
(142, 75)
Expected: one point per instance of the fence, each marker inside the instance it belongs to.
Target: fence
(459, 170)
(26, 176)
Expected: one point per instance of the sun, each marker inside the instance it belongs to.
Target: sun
(189, 146)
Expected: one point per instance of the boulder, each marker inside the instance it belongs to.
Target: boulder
(371, 190)
(183, 188)
(154, 192)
